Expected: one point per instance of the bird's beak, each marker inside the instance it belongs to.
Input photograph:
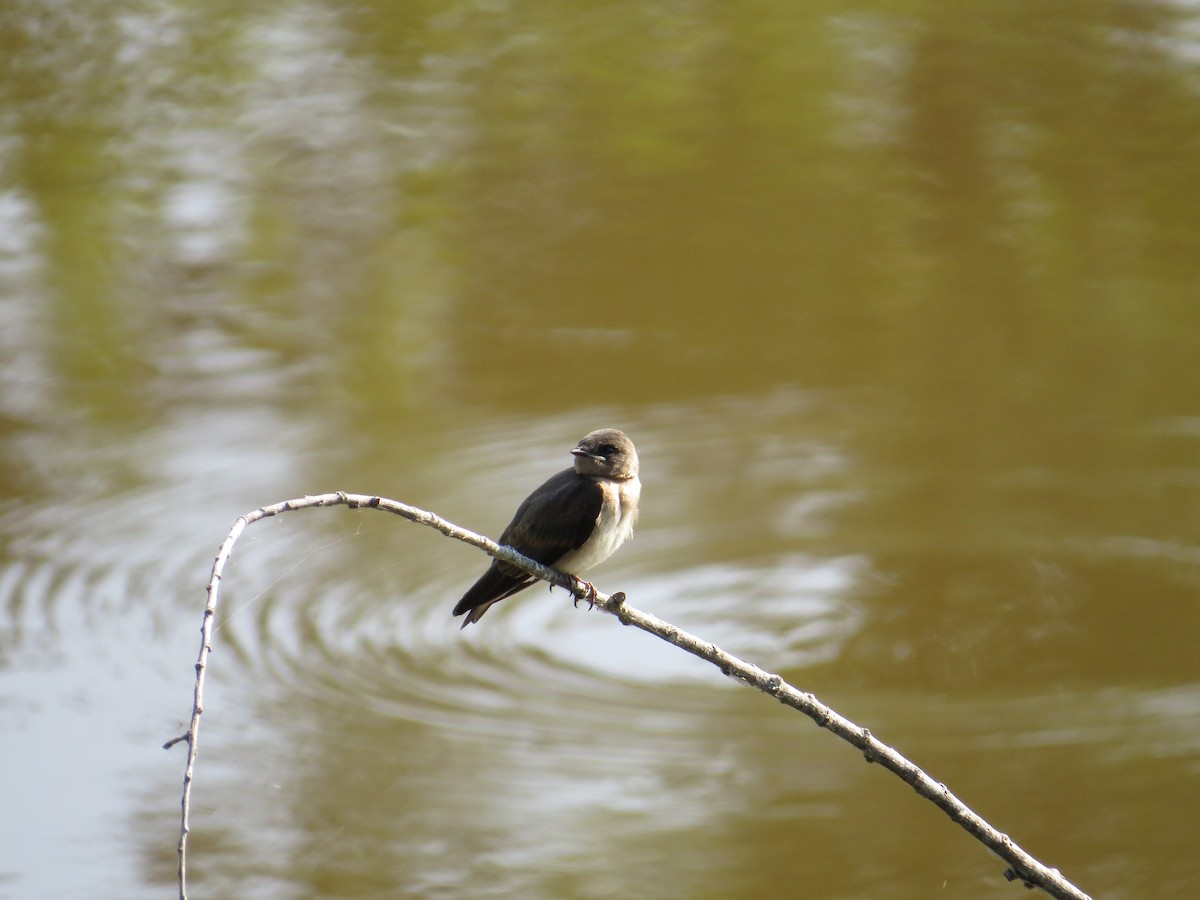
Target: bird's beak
(578, 451)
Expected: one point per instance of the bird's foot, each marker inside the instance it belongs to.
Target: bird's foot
(589, 593)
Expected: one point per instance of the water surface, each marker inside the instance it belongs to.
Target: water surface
(899, 305)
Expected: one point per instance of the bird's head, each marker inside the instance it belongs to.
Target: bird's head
(607, 453)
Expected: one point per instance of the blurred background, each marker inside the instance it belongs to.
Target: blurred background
(899, 301)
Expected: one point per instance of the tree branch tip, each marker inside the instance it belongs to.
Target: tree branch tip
(175, 740)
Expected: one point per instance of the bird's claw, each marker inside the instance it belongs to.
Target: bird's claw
(589, 593)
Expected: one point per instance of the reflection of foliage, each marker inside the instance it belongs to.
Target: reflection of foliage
(886, 196)
(993, 210)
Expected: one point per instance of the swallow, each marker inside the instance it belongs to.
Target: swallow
(574, 521)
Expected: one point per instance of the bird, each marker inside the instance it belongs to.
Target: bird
(574, 521)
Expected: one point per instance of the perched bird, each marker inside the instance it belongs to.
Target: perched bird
(574, 521)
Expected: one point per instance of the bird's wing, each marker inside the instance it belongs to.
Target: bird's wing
(556, 518)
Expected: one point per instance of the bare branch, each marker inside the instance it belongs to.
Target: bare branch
(1021, 866)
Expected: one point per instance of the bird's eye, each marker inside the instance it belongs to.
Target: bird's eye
(606, 449)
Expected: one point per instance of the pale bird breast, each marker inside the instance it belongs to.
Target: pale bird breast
(614, 525)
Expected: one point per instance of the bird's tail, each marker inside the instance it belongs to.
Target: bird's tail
(476, 613)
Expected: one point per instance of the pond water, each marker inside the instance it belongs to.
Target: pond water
(898, 302)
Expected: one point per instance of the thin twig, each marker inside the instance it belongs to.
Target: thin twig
(1021, 866)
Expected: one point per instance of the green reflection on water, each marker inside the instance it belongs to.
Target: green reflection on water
(972, 232)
